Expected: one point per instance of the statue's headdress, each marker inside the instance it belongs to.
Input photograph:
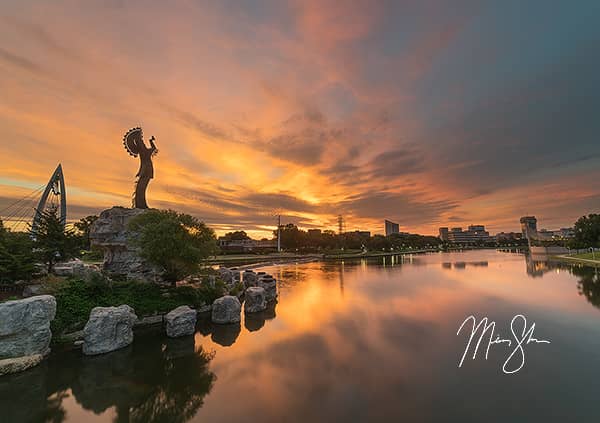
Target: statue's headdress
(134, 141)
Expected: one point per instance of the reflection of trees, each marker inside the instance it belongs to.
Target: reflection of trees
(588, 284)
(153, 380)
(178, 386)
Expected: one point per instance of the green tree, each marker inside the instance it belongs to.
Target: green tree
(83, 226)
(236, 236)
(16, 256)
(175, 242)
(379, 243)
(587, 232)
(291, 237)
(17, 260)
(52, 242)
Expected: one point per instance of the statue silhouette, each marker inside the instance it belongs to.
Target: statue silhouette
(134, 144)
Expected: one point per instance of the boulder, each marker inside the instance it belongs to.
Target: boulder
(67, 268)
(204, 308)
(32, 290)
(149, 320)
(250, 278)
(110, 232)
(19, 364)
(226, 309)
(256, 300)
(269, 283)
(108, 329)
(226, 275)
(25, 326)
(181, 322)
(88, 272)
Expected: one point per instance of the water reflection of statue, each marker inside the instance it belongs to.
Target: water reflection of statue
(134, 144)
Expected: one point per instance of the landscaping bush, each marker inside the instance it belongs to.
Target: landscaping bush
(75, 299)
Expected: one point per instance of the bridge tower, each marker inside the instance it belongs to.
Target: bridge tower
(54, 195)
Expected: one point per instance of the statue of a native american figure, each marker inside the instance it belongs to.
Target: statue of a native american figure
(134, 144)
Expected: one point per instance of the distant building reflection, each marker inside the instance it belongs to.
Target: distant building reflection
(460, 265)
(537, 265)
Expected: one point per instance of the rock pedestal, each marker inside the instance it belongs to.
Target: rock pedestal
(108, 329)
(110, 231)
(25, 332)
(256, 300)
(226, 309)
(180, 322)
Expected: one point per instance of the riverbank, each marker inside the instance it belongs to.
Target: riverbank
(250, 261)
(586, 259)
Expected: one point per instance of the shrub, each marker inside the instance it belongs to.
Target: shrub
(175, 242)
(76, 298)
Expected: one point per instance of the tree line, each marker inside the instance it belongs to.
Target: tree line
(175, 242)
(294, 238)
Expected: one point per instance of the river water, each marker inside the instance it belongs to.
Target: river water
(352, 341)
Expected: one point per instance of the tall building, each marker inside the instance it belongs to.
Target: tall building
(474, 234)
(444, 234)
(391, 228)
(529, 227)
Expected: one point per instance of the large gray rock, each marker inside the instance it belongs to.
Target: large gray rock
(226, 275)
(32, 290)
(19, 364)
(67, 268)
(108, 329)
(181, 322)
(110, 231)
(226, 309)
(269, 283)
(25, 326)
(256, 300)
(250, 278)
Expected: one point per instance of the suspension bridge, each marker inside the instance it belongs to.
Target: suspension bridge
(24, 213)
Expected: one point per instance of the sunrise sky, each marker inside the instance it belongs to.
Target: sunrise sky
(426, 113)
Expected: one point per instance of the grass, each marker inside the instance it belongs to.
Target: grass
(588, 256)
(76, 298)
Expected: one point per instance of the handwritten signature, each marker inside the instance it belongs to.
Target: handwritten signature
(522, 336)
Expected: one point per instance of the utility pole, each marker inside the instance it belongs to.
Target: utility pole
(279, 233)
(340, 224)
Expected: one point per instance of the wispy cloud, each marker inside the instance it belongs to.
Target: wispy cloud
(422, 112)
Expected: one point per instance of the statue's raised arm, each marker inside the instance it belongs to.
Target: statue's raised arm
(134, 144)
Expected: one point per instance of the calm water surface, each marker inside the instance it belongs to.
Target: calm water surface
(352, 341)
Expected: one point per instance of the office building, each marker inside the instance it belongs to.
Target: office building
(529, 227)
(444, 234)
(391, 228)
(473, 235)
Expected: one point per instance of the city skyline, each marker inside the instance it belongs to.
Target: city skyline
(426, 114)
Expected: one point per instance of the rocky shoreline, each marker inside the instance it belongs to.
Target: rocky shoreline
(25, 334)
